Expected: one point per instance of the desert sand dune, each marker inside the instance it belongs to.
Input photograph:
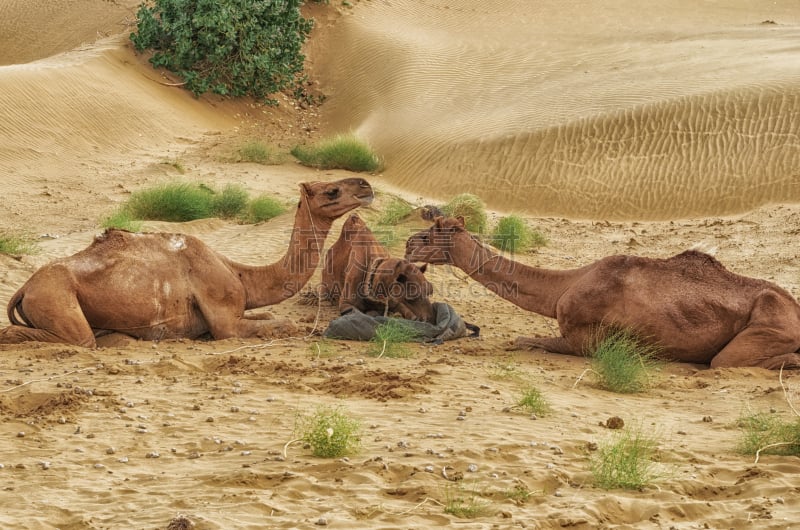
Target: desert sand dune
(615, 112)
(560, 110)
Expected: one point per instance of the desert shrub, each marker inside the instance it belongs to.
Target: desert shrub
(343, 151)
(394, 212)
(623, 363)
(176, 202)
(330, 432)
(390, 339)
(471, 208)
(766, 433)
(230, 202)
(625, 461)
(229, 47)
(15, 245)
(464, 502)
(123, 219)
(512, 234)
(533, 401)
(263, 208)
(259, 153)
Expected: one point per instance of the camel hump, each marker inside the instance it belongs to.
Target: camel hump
(697, 256)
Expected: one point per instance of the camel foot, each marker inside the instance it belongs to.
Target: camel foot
(277, 329)
(550, 344)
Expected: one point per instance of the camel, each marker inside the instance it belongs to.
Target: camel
(689, 305)
(164, 286)
(360, 274)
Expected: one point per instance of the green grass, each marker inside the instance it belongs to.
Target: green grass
(231, 202)
(623, 363)
(263, 208)
(16, 245)
(122, 219)
(512, 234)
(181, 202)
(471, 208)
(394, 212)
(464, 503)
(533, 401)
(343, 151)
(505, 369)
(175, 202)
(625, 461)
(391, 340)
(519, 494)
(330, 432)
(260, 153)
(766, 433)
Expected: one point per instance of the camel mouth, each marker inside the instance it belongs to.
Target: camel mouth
(365, 199)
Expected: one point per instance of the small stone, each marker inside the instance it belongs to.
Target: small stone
(708, 419)
(472, 468)
(234, 409)
(153, 454)
(110, 451)
(123, 460)
(321, 522)
(99, 466)
(44, 464)
(209, 420)
(429, 469)
(246, 453)
(591, 446)
(193, 455)
(20, 434)
(615, 422)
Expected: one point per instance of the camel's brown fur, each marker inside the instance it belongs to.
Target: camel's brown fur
(689, 305)
(360, 273)
(158, 286)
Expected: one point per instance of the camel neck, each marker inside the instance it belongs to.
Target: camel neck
(270, 284)
(530, 288)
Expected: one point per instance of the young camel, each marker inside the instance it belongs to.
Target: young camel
(161, 286)
(690, 306)
(360, 273)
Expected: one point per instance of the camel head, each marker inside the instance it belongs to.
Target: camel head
(399, 283)
(331, 200)
(435, 245)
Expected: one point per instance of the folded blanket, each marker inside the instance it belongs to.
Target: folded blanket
(356, 325)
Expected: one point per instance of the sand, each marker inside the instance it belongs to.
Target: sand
(610, 129)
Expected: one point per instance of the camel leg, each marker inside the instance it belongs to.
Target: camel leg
(770, 340)
(550, 344)
(55, 317)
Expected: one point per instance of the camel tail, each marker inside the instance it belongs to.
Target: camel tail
(15, 307)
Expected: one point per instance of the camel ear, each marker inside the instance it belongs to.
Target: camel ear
(423, 268)
(306, 190)
(461, 221)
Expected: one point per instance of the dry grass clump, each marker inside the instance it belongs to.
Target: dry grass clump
(463, 502)
(512, 234)
(330, 432)
(622, 362)
(625, 461)
(343, 151)
(471, 208)
(260, 153)
(16, 245)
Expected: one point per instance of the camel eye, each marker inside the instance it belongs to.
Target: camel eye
(332, 194)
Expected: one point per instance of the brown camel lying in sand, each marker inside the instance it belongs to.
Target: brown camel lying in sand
(160, 286)
(689, 306)
(360, 273)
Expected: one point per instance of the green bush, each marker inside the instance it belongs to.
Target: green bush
(766, 433)
(390, 339)
(15, 245)
(623, 363)
(263, 208)
(330, 432)
(394, 212)
(532, 400)
(229, 47)
(343, 151)
(512, 234)
(471, 208)
(259, 153)
(626, 461)
(177, 202)
(230, 203)
(123, 219)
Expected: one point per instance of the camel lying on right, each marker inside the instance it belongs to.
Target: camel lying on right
(689, 306)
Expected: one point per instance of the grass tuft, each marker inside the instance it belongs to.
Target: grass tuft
(512, 234)
(623, 363)
(343, 151)
(390, 340)
(471, 208)
(533, 401)
(263, 208)
(330, 432)
(260, 153)
(625, 461)
(230, 203)
(394, 212)
(465, 503)
(122, 219)
(176, 202)
(765, 433)
(16, 245)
